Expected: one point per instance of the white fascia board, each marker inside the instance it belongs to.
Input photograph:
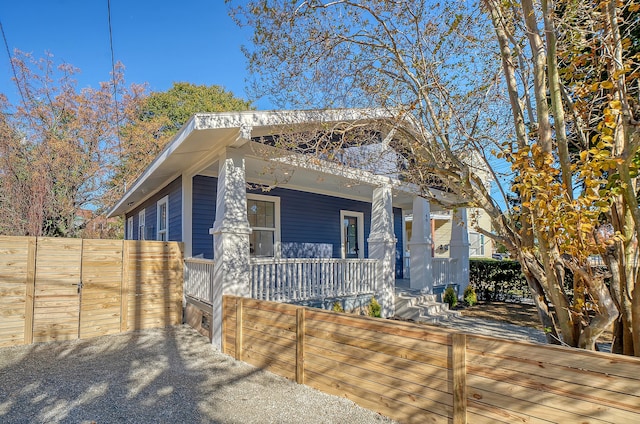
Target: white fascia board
(256, 119)
(157, 162)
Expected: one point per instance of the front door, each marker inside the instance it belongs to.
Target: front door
(352, 235)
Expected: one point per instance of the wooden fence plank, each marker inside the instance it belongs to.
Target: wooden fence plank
(300, 339)
(30, 291)
(536, 404)
(526, 363)
(458, 350)
(582, 391)
(239, 317)
(390, 408)
(572, 360)
(409, 351)
(436, 352)
(405, 329)
(393, 389)
(576, 407)
(432, 377)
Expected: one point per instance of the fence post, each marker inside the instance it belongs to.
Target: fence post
(239, 302)
(30, 290)
(300, 329)
(459, 368)
(124, 287)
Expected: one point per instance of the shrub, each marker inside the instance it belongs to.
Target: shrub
(450, 297)
(337, 307)
(469, 296)
(375, 310)
(497, 280)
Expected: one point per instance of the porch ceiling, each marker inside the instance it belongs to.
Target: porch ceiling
(273, 168)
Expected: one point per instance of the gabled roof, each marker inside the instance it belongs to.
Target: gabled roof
(205, 135)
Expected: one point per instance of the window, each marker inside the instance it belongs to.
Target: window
(263, 213)
(163, 219)
(141, 218)
(130, 228)
(476, 244)
(352, 234)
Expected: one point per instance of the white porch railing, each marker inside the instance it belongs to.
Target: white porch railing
(300, 279)
(198, 279)
(444, 271)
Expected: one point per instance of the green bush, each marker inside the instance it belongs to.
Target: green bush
(497, 280)
(375, 310)
(337, 307)
(450, 297)
(469, 296)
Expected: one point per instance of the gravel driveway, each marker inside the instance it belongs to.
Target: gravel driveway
(170, 375)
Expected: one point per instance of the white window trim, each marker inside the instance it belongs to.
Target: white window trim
(276, 211)
(130, 228)
(481, 246)
(360, 217)
(164, 200)
(141, 224)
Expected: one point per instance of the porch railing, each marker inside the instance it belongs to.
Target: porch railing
(303, 279)
(198, 279)
(444, 271)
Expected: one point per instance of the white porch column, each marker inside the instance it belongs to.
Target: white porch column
(230, 237)
(382, 246)
(459, 247)
(187, 214)
(421, 276)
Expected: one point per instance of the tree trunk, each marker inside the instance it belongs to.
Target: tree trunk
(530, 268)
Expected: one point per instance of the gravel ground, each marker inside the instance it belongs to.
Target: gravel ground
(168, 375)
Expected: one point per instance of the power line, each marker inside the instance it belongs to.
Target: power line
(113, 78)
(13, 66)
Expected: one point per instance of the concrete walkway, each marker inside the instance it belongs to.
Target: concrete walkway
(494, 329)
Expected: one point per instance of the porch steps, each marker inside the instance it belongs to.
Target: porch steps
(422, 307)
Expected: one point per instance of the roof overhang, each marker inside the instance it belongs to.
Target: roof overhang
(201, 140)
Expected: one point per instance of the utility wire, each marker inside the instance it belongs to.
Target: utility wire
(113, 79)
(13, 66)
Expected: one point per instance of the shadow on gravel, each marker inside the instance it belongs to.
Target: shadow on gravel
(167, 375)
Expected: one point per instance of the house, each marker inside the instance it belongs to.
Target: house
(266, 221)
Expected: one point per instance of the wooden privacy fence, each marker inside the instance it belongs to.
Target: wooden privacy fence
(64, 289)
(417, 374)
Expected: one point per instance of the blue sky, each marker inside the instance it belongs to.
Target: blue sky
(159, 42)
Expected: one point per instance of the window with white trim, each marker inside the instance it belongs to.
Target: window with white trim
(476, 244)
(130, 228)
(141, 224)
(263, 213)
(162, 212)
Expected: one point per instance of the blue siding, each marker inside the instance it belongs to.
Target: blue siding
(175, 211)
(315, 218)
(204, 213)
(174, 191)
(304, 217)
